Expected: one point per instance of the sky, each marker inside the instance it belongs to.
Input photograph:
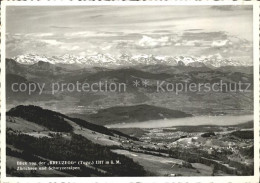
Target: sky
(224, 31)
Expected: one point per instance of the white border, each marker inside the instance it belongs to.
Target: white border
(222, 179)
(256, 42)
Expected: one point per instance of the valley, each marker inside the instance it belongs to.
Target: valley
(176, 151)
(197, 103)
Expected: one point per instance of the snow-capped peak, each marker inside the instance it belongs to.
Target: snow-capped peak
(107, 60)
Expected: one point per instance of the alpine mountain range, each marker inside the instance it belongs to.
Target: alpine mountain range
(108, 60)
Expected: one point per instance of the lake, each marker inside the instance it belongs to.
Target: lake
(189, 121)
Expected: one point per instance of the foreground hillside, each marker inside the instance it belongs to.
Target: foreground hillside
(39, 135)
(35, 134)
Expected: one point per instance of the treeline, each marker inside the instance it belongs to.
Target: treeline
(25, 154)
(242, 169)
(218, 162)
(244, 134)
(91, 126)
(56, 121)
(123, 135)
(44, 117)
(76, 149)
(249, 151)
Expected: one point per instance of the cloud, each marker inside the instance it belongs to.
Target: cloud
(81, 34)
(206, 36)
(221, 43)
(75, 48)
(43, 34)
(193, 30)
(69, 47)
(87, 53)
(51, 42)
(161, 31)
(149, 42)
(188, 39)
(231, 48)
(61, 27)
(145, 42)
(106, 47)
(194, 43)
(232, 43)
(84, 43)
(96, 16)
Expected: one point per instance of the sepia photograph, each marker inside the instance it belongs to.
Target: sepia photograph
(129, 91)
